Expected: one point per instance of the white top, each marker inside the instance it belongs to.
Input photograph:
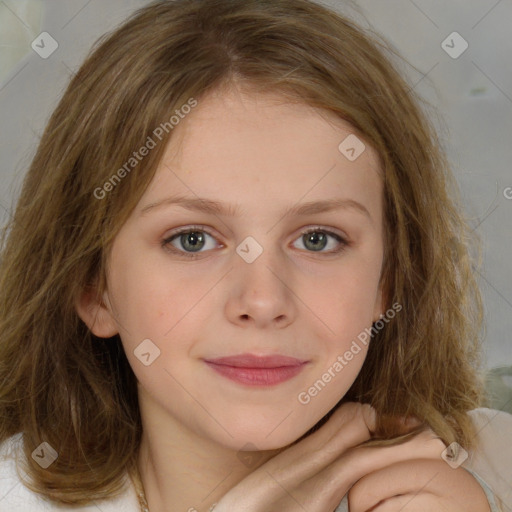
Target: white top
(490, 463)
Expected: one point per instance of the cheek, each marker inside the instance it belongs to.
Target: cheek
(342, 330)
(345, 299)
(146, 298)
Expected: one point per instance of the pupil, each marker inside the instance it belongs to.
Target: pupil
(192, 240)
(314, 238)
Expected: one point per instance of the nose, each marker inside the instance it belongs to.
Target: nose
(261, 293)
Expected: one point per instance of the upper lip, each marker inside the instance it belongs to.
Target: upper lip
(254, 361)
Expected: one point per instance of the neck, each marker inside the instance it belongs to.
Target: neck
(182, 471)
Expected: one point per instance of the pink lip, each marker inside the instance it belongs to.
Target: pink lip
(257, 370)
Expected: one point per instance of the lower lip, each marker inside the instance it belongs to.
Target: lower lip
(257, 376)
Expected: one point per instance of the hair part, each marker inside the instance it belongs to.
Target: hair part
(61, 384)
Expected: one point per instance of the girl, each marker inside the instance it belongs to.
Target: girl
(233, 280)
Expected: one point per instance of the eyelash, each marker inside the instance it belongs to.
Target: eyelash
(166, 242)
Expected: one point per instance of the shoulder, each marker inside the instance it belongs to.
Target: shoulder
(483, 414)
(493, 432)
(491, 457)
(14, 495)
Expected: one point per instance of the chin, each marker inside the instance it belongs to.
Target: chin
(251, 439)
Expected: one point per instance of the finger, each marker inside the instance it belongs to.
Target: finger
(406, 424)
(421, 502)
(431, 476)
(298, 474)
(357, 420)
(350, 425)
(357, 462)
(407, 477)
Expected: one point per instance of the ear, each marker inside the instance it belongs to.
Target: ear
(96, 313)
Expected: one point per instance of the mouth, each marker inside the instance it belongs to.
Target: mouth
(252, 370)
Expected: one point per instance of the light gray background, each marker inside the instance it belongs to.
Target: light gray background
(472, 93)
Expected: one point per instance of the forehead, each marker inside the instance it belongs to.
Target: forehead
(261, 151)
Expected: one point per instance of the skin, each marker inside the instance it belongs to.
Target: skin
(265, 155)
(317, 472)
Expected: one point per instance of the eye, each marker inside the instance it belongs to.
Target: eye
(194, 238)
(191, 239)
(316, 239)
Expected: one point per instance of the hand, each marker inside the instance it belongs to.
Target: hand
(317, 472)
(418, 486)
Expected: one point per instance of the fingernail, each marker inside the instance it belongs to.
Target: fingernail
(412, 421)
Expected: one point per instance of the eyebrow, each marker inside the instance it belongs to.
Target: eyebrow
(210, 206)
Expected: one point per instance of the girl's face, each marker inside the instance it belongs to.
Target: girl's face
(248, 280)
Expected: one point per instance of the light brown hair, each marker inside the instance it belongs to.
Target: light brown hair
(61, 384)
